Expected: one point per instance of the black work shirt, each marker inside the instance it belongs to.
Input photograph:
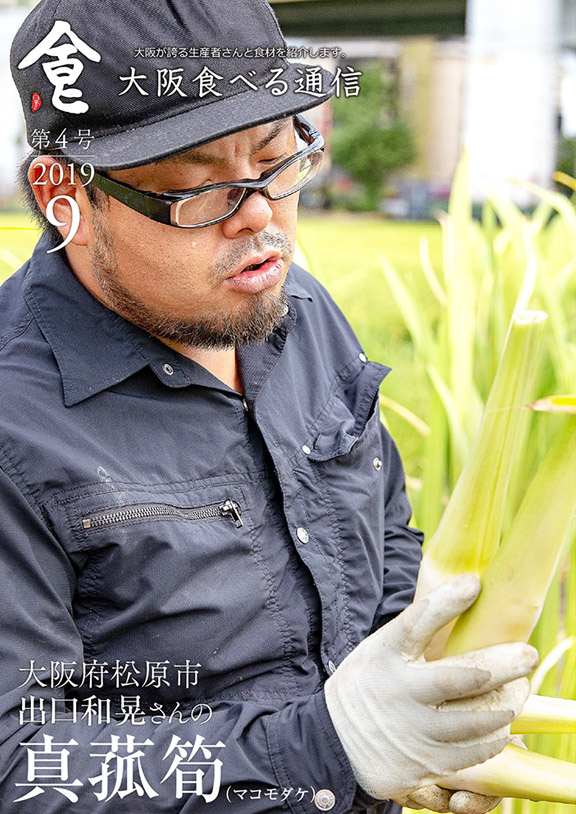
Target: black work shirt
(211, 557)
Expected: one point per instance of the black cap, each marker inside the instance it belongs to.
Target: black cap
(125, 76)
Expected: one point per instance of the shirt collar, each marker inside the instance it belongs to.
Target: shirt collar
(293, 288)
(94, 347)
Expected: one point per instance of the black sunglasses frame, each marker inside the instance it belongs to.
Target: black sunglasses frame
(163, 207)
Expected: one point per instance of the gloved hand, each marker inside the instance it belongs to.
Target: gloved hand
(435, 798)
(398, 716)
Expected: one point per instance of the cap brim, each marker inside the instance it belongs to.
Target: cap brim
(176, 134)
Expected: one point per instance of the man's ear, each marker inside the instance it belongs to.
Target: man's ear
(62, 198)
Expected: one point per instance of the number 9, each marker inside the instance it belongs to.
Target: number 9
(75, 211)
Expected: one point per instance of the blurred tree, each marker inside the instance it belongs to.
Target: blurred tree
(368, 140)
(566, 159)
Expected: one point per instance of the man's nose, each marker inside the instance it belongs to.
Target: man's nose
(254, 215)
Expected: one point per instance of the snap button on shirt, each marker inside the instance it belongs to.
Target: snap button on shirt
(325, 800)
(302, 535)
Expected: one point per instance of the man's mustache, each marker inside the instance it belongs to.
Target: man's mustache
(249, 245)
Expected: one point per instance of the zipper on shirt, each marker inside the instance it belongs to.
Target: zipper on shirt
(229, 508)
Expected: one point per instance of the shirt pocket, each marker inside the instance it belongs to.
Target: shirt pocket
(351, 413)
(119, 516)
(171, 573)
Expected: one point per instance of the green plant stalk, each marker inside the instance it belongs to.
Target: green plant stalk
(515, 583)
(461, 288)
(469, 530)
(514, 587)
(516, 772)
(435, 475)
(545, 715)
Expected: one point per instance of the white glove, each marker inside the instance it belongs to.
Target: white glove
(397, 715)
(435, 798)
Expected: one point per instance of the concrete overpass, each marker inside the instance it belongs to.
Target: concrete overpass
(374, 18)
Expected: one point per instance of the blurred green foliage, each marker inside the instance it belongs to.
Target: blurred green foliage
(566, 158)
(369, 141)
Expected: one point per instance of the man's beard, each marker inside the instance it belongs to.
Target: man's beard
(254, 322)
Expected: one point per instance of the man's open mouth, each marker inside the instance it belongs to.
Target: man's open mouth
(256, 277)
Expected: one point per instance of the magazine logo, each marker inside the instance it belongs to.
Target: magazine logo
(62, 71)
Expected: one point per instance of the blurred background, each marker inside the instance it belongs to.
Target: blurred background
(498, 76)
(444, 200)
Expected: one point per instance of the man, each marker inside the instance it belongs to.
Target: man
(203, 521)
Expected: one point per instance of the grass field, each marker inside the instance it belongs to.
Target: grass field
(17, 239)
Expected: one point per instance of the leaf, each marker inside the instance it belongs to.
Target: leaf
(408, 307)
(555, 404)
